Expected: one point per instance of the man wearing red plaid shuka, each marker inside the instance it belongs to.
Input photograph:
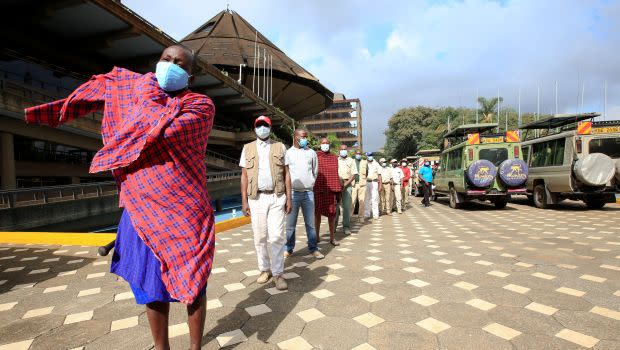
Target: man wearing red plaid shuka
(327, 191)
(155, 133)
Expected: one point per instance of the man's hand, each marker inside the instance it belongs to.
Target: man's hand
(245, 208)
(288, 207)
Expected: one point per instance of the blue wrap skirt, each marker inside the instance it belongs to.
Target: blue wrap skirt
(135, 263)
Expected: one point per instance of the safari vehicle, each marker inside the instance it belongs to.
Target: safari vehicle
(574, 158)
(479, 165)
(431, 155)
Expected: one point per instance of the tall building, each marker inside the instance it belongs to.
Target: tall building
(343, 119)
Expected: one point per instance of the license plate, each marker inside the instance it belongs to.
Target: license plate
(606, 130)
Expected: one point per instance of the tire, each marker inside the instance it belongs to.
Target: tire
(481, 173)
(453, 196)
(595, 169)
(513, 172)
(540, 197)
(595, 202)
(500, 203)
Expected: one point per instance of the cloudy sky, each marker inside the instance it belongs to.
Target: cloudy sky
(436, 53)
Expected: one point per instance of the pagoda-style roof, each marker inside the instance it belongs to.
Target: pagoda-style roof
(228, 41)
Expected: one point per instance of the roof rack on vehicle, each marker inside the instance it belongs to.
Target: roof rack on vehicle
(606, 123)
(426, 153)
(557, 121)
(463, 130)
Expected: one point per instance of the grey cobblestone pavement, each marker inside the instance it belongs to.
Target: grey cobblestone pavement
(431, 278)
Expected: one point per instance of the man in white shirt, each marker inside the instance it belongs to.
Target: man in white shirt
(397, 182)
(304, 167)
(265, 196)
(373, 179)
(385, 191)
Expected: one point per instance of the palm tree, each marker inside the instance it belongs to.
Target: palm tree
(488, 107)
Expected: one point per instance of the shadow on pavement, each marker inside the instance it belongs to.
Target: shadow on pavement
(281, 304)
(471, 206)
(26, 266)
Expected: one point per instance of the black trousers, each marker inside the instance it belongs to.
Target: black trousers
(426, 189)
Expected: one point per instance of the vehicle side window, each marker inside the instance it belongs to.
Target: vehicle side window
(559, 152)
(454, 159)
(458, 159)
(525, 154)
(548, 153)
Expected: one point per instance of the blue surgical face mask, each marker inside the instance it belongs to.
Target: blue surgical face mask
(303, 142)
(170, 76)
(344, 153)
(262, 131)
(370, 158)
(427, 164)
(358, 157)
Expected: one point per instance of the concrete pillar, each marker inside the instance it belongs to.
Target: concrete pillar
(218, 205)
(7, 161)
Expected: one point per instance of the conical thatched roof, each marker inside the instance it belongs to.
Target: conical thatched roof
(228, 40)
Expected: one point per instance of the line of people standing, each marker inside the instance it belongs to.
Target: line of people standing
(277, 182)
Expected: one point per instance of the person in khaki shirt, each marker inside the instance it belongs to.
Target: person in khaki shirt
(358, 191)
(385, 190)
(347, 170)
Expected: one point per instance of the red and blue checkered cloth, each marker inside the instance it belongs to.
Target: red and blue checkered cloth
(327, 186)
(155, 145)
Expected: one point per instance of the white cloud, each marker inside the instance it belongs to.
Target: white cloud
(436, 53)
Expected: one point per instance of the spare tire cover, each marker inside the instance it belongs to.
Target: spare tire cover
(481, 173)
(618, 169)
(595, 169)
(513, 172)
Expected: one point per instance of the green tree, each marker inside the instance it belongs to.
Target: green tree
(335, 142)
(488, 108)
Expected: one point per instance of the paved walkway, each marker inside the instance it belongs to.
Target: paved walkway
(431, 278)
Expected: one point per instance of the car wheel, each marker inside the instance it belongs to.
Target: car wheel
(595, 202)
(540, 197)
(500, 203)
(453, 202)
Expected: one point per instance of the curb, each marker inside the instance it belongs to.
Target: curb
(92, 239)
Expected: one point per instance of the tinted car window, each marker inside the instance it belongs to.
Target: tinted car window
(494, 155)
(610, 146)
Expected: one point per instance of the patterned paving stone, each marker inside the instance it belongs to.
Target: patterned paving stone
(436, 279)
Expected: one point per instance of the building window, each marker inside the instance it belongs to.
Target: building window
(27, 149)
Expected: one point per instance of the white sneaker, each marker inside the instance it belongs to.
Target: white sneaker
(318, 254)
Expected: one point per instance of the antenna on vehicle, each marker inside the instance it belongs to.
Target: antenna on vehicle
(476, 104)
(605, 103)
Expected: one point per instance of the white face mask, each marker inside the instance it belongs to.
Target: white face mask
(343, 153)
(324, 147)
(262, 132)
(403, 164)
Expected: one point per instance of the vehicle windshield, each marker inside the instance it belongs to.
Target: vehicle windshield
(494, 155)
(608, 146)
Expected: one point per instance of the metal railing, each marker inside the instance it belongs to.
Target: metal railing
(51, 194)
(221, 157)
(223, 175)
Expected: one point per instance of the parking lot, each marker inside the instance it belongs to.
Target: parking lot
(431, 278)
